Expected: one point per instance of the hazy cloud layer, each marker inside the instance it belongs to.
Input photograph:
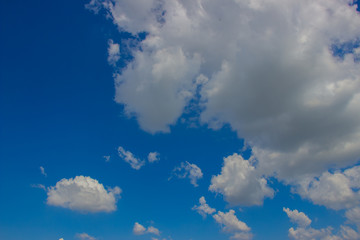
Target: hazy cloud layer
(83, 194)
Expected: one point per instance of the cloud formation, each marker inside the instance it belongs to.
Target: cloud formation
(203, 209)
(84, 236)
(230, 223)
(188, 170)
(128, 157)
(240, 183)
(304, 231)
(42, 170)
(338, 190)
(113, 52)
(139, 229)
(153, 157)
(83, 194)
(272, 73)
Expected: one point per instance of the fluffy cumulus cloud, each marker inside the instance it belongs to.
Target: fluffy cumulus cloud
(304, 231)
(271, 72)
(153, 157)
(203, 209)
(298, 217)
(128, 157)
(338, 190)
(188, 170)
(139, 229)
(240, 182)
(230, 223)
(83, 194)
(84, 236)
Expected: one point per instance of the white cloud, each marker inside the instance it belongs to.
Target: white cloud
(113, 52)
(305, 232)
(188, 170)
(269, 69)
(240, 182)
(297, 217)
(203, 209)
(84, 236)
(107, 158)
(153, 230)
(139, 229)
(153, 157)
(128, 157)
(41, 186)
(353, 215)
(42, 170)
(230, 223)
(83, 194)
(338, 190)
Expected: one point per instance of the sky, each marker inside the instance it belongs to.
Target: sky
(179, 119)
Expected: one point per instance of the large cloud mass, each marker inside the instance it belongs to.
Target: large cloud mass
(83, 194)
(270, 69)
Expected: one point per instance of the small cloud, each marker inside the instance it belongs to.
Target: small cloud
(113, 52)
(188, 170)
(153, 230)
(153, 157)
(84, 236)
(41, 186)
(231, 224)
(83, 194)
(42, 169)
(139, 229)
(203, 209)
(107, 158)
(128, 157)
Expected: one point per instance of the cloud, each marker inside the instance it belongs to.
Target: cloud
(188, 170)
(304, 231)
(338, 190)
(42, 170)
(203, 209)
(272, 75)
(84, 236)
(298, 217)
(240, 182)
(128, 157)
(153, 157)
(153, 230)
(353, 215)
(83, 194)
(41, 186)
(113, 52)
(107, 158)
(230, 223)
(139, 229)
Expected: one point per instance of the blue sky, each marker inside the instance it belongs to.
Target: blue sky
(252, 105)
